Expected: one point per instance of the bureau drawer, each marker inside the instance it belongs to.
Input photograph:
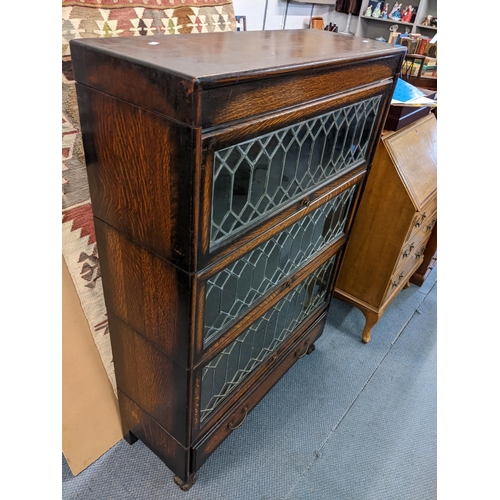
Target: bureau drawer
(400, 277)
(415, 246)
(236, 414)
(424, 217)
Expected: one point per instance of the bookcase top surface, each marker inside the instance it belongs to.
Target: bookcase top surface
(218, 57)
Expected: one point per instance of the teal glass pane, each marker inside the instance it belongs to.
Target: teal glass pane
(232, 291)
(254, 177)
(238, 360)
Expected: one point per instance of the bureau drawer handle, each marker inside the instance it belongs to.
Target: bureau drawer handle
(412, 246)
(306, 202)
(405, 254)
(419, 254)
(245, 413)
(287, 284)
(396, 283)
(424, 215)
(417, 224)
(306, 345)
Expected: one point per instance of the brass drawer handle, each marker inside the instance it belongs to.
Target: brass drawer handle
(232, 426)
(420, 253)
(417, 224)
(431, 225)
(287, 284)
(424, 215)
(306, 345)
(306, 202)
(396, 283)
(407, 252)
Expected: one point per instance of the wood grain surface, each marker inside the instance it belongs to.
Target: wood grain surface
(151, 117)
(394, 221)
(141, 170)
(168, 77)
(146, 292)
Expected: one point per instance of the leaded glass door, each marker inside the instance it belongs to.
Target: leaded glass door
(255, 177)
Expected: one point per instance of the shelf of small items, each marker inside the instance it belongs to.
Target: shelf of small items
(392, 21)
(380, 11)
(377, 18)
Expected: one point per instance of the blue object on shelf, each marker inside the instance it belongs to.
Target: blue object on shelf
(405, 91)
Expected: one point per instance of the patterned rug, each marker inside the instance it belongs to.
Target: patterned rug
(96, 19)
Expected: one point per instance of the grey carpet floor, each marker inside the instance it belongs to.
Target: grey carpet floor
(348, 422)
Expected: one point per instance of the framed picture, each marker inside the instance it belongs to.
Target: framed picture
(241, 23)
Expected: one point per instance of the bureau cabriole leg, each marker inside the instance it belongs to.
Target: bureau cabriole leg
(185, 485)
(371, 319)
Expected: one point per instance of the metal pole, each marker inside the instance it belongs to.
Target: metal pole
(265, 16)
(284, 16)
(346, 31)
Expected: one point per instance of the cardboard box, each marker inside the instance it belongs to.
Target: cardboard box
(90, 415)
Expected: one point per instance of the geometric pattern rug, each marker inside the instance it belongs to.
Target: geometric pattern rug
(98, 19)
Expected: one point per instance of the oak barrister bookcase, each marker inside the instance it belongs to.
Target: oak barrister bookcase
(224, 171)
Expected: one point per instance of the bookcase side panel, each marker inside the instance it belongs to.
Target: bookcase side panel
(141, 169)
(148, 293)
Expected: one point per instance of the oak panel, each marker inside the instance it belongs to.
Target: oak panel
(141, 169)
(146, 292)
(145, 375)
(251, 99)
(154, 436)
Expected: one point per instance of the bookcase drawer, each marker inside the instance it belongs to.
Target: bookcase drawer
(237, 413)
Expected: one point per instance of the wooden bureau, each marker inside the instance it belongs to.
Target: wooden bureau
(395, 220)
(224, 169)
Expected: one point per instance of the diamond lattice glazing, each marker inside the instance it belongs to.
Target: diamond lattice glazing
(240, 358)
(256, 176)
(233, 290)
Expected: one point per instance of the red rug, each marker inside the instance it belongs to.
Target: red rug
(110, 18)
